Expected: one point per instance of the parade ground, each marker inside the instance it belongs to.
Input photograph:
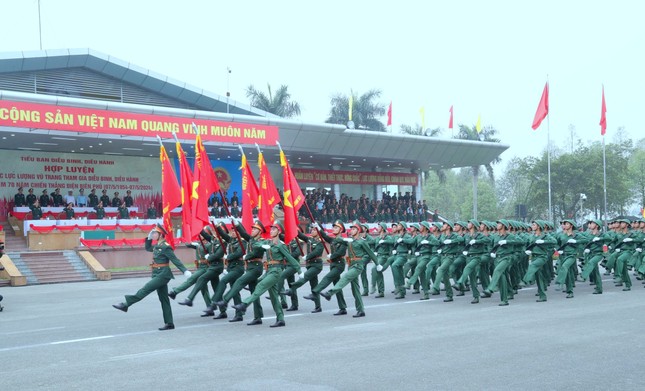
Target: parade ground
(68, 337)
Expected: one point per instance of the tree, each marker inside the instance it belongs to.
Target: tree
(637, 175)
(279, 104)
(364, 111)
(487, 134)
(416, 130)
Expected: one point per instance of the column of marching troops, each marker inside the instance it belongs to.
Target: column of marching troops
(500, 257)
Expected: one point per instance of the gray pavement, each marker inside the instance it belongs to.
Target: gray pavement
(68, 337)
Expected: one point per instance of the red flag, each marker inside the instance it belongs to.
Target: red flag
(249, 194)
(186, 192)
(292, 200)
(170, 194)
(543, 108)
(204, 184)
(269, 196)
(450, 122)
(389, 115)
(603, 114)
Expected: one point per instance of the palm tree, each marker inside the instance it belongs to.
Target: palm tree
(487, 134)
(279, 104)
(416, 130)
(364, 112)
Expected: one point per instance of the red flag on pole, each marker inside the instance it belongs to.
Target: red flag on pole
(249, 194)
(186, 192)
(389, 115)
(204, 185)
(292, 200)
(603, 114)
(543, 108)
(269, 196)
(170, 194)
(450, 122)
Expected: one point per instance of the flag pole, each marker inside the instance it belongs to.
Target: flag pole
(604, 177)
(548, 159)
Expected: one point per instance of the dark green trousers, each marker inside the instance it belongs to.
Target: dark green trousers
(159, 284)
(335, 270)
(351, 276)
(269, 283)
(253, 271)
(310, 275)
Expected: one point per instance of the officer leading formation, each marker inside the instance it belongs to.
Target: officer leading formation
(485, 258)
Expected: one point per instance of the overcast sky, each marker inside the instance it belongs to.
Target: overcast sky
(488, 58)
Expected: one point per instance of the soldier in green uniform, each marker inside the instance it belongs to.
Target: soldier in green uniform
(402, 243)
(31, 197)
(502, 252)
(383, 244)
(92, 199)
(625, 247)
(539, 249)
(151, 213)
(36, 211)
(105, 199)
(357, 251)
(569, 242)
(411, 263)
(451, 245)
(277, 253)
(203, 248)
(314, 266)
(594, 253)
(254, 269)
(295, 249)
(69, 211)
(19, 199)
(234, 270)
(100, 211)
(123, 211)
(435, 258)
(215, 268)
(476, 247)
(44, 199)
(423, 252)
(365, 235)
(337, 265)
(162, 255)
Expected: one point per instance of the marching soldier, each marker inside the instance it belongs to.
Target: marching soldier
(162, 255)
(337, 265)
(503, 251)
(451, 245)
(477, 246)
(593, 254)
(295, 249)
(234, 270)
(314, 266)
(402, 242)
(277, 252)
(539, 249)
(357, 251)
(569, 242)
(383, 247)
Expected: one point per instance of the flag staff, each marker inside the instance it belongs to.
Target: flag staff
(548, 158)
(603, 129)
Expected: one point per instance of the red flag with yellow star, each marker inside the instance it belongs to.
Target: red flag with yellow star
(249, 194)
(204, 185)
(269, 196)
(186, 191)
(170, 194)
(292, 200)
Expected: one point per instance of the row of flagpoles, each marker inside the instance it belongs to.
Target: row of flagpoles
(195, 188)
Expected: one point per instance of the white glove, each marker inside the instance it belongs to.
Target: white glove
(573, 241)
(447, 241)
(379, 268)
(528, 252)
(328, 256)
(187, 273)
(424, 241)
(266, 246)
(465, 252)
(493, 255)
(617, 250)
(595, 239)
(348, 240)
(224, 272)
(194, 244)
(399, 240)
(640, 250)
(301, 275)
(381, 241)
(587, 251)
(539, 241)
(150, 234)
(439, 251)
(206, 255)
(627, 240)
(416, 253)
(472, 241)
(393, 252)
(301, 258)
(560, 252)
(502, 242)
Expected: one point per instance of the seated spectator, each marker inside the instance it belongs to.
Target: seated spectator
(36, 210)
(69, 211)
(152, 211)
(129, 201)
(100, 210)
(81, 198)
(124, 212)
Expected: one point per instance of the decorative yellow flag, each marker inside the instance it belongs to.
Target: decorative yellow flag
(422, 111)
(351, 106)
(478, 125)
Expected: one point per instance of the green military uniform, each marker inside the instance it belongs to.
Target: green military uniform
(124, 213)
(162, 256)
(503, 250)
(100, 212)
(31, 197)
(151, 213)
(539, 249)
(289, 271)
(593, 254)
(370, 242)
(36, 212)
(69, 212)
(402, 244)
(337, 266)
(411, 264)
(569, 248)
(314, 266)
(234, 269)
(383, 245)
(19, 199)
(626, 246)
(93, 199)
(215, 268)
(451, 247)
(476, 248)
(435, 259)
(357, 251)
(202, 250)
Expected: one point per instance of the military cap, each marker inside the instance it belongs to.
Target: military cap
(159, 228)
(504, 222)
(366, 228)
(450, 224)
(415, 226)
(383, 225)
(403, 224)
(474, 222)
(258, 224)
(539, 223)
(357, 224)
(596, 221)
(426, 224)
(278, 224)
(573, 223)
(462, 223)
(339, 224)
